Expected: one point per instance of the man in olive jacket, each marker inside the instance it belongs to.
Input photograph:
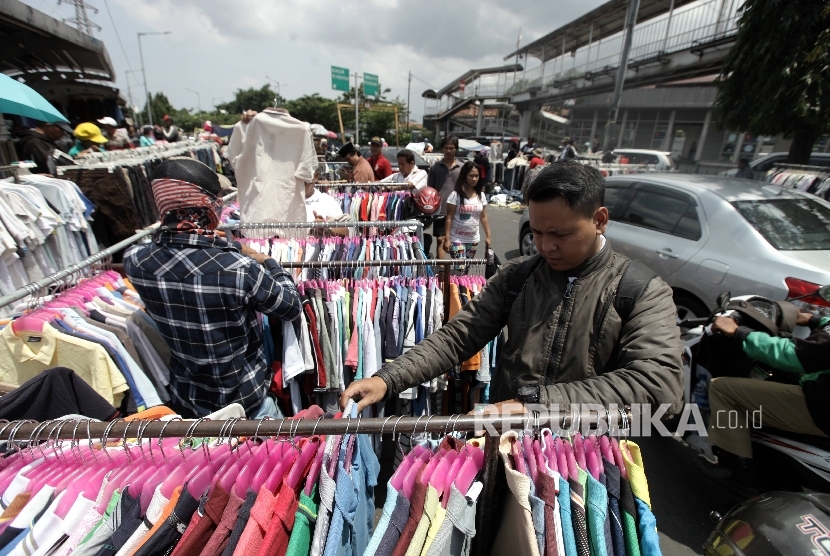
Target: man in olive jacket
(566, 343)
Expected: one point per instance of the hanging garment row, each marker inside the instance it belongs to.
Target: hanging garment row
(809, 181)
(380, 202)
(398, 248)
(100, 330)
(44, 226)
(120, 189)
(583, 496)
(347, 331)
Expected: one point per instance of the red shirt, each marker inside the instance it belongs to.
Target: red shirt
(381, 167)
(535, 161)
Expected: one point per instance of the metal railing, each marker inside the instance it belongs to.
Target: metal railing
(690, 26)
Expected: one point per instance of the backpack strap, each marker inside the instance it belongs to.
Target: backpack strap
(519, 278)
(635, 279)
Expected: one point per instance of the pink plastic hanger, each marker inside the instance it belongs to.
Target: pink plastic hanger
(605, 448)
(541, 459)
(246, 476)
(579, 450)
(573, 473)
(527, 448)
(518, 456)
(276, 476)
(591, 458)
(618, 459)
(409, 481)
(400, 473)
(275, 450)
(440, 477)
(298, 471)
(150, 483)
(431, 465)
(468, 472)
(316, 466)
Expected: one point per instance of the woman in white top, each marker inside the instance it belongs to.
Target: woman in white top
(466, 209)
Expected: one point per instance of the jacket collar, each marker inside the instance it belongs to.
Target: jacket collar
(588, 267)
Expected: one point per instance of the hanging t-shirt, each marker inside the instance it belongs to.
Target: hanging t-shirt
(324, 205)
(465, 223)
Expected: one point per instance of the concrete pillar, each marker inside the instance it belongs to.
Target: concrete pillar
(702, 142)
(667, 141)
(739, 144)
(480, 119)
(596, 115)
(524, 123)
(622, 129)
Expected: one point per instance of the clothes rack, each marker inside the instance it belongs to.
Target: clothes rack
(368, 185)
(31, 433)
(34, 287)
(326, 225)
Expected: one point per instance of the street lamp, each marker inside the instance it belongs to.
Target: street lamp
(198, 98)
(277, 83)
(144, 73)
(213, 101)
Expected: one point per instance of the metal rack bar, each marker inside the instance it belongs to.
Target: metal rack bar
(34, 287)
(304, 225)
(805, 167)
(366, 185)
(20, 431)
(395, 262)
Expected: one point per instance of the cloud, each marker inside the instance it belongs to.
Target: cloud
(218, 46)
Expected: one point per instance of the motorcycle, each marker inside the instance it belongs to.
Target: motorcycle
(794, 518)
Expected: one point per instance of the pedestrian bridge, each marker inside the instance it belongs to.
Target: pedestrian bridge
(672, 40)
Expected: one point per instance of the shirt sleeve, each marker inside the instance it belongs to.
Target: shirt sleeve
(773, 351)
(483, 200)
(308, 160)
(420, 180)
(452, 199)
(271, 291)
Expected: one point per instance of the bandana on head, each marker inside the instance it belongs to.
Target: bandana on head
(186, 207)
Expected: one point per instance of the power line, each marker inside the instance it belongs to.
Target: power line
(51, 9)
(123, 51)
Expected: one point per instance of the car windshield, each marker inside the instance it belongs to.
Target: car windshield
(789, 224)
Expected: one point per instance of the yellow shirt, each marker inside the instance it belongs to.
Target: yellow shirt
(636, 471)
(420, 536)
(437, 521)
(26, 356)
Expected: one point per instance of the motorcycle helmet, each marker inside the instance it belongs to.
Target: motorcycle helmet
(428, 200)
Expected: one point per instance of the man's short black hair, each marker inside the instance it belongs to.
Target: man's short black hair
(531, 139)
(582, 186)
(743, 162)
(452, 139)
(407, 155)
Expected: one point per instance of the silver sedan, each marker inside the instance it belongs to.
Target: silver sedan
(708, 234)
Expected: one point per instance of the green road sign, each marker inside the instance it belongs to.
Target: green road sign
(371, 86)
(340, 79)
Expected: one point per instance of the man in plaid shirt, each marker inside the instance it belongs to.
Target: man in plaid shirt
(204, 293)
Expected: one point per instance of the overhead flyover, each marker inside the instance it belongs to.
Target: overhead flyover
(672, 40)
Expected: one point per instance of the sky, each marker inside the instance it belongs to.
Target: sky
(219, 46)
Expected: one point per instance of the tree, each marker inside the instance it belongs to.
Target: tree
(251, 99)
(776, 78)
(314, 109)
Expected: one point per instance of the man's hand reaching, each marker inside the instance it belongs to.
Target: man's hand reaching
(366, 392)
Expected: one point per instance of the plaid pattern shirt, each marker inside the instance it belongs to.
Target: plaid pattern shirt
(204, 295)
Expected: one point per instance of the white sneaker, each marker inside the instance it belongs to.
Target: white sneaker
(701, 446)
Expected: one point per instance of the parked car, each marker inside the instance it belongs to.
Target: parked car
(391, 153)
(762, 165)
(707, 234)
(661, 160)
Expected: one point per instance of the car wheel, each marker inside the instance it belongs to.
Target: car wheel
(688, 307)
(526, 244)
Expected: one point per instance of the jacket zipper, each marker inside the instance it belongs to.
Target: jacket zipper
(558, 337)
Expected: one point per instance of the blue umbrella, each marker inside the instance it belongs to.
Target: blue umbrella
(21, 100)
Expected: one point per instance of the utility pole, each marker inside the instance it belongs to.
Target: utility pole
(81, 19)
(408, 93)
(516, 62)
(130, 95)
(144, 72)
(198, 98)
(277, 83)
(613, 112)
(356, 111)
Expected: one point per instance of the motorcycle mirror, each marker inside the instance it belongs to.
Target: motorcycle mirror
(824, 293)
(724, 297)
(715, 517)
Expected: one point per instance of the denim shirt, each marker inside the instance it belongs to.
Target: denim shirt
(354, 503)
